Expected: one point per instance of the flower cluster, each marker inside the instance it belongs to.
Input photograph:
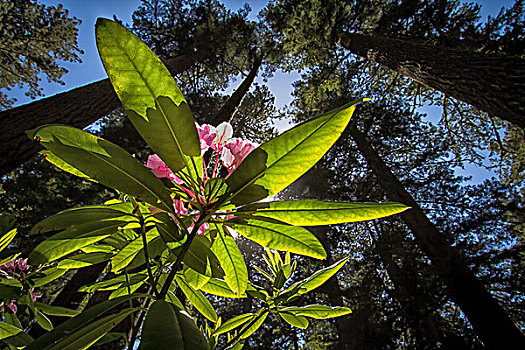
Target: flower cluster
(16, 269)
(228, 150)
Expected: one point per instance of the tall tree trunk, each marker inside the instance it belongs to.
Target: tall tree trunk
(490, 322)
(78, 107)
(229, 108)
(492, 83)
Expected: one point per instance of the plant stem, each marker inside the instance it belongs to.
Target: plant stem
(145, 245)
(176, 265)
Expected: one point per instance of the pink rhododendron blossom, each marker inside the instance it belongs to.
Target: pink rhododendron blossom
(202, 230)
(179, 207)
(11, 305)
(160, 169)
(224, 134)
(207, 134)
(234, 152)
(15, 269)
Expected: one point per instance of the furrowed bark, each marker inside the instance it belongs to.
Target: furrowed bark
(78, 107)
(492, 83)
(490, 322)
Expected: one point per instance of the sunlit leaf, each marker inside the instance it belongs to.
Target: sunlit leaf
(7, 238)
(254, 324)
(55, 310)
(274, 165)
(317, 311)
(279, 236)
(72, 239)
(309, 212)
(84, 259)
(294, 320)
(197, 299)
(232, 262)
(220, 288)
(105, 162)
(130, 251)
(233, 323)
(195, 279)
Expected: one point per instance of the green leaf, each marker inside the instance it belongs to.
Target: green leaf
(294, 320)
(151, 98)
(84, 259)
(200, 257)
(195, 279)
(7, 330)
(254, 324)
(131, 250)
(232, 262)
(105, 162)
(43, 321)
(197, 299)
(73, 239)
(76, 323)
(310, 212)
(55, 310)
(220, 288)
(166, 327)
(81, 215)
(59, 163)
(233, 323)
(84, 337)
(315, 280)
(7, 238)
(274, 165)
(155, 248)
(317, 311)
(279, 236)
(43, 277)
(115, 283)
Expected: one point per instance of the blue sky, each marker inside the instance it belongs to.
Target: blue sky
(91, 69)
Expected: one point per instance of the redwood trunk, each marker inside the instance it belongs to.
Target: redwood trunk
(490, 322)
(492, 83)
(78, 107)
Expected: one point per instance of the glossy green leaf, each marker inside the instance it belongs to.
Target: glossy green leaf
(43, 277)
(309, 212)
(172, 298)
(84, 337)
(7, 238)
(73, 239)
(200, 257)
(274, 165)
(115, 283)
(195, 279)
(76, 323)
(43, 321)
(317, 311)
(7, 330)
(232, 262)
(151, 98)
(316, 279)
(167, 327)
(279, 236)
(80, 215)
(84, 259)
(105, 162)
(55, 310)
(254, 324)
(233, 323)
(220, 288)
(294, 320)
(59, 163)
(155, 248)
(130, 251)
(197, 299)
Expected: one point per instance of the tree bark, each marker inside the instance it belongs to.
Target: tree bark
(492, 83)
(78, 107)
(490, 322)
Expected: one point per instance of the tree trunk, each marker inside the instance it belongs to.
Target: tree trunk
(490, 322)
(492, 83)
(78, 107)
(229, 108)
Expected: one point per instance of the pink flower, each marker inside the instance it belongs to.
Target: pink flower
(202, 230)
(179, 207)
(10, 305)
(234, 152)
(160, 169)
(207, 134)
(224, 134)
(15, 269)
